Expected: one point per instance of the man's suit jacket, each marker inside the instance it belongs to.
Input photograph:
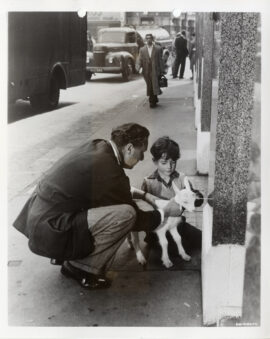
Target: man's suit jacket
(151, 70)
(55, 216)
(181, 46)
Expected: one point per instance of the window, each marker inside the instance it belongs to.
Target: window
(131, 38)
(111, 37)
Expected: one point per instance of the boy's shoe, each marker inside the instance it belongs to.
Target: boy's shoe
(87, 280)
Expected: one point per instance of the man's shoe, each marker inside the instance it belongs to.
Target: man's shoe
(174, 77)
(152, 105)
(87, 280)
(56, 262)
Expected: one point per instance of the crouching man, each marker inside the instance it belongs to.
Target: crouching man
(82, 209)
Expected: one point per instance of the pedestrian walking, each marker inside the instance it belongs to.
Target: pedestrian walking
(150, 60)
(192, 52)
(82, 209)
(181, 54)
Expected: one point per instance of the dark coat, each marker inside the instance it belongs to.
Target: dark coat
(181, 46)
(55, 216)
(155, 71)
(192, 52)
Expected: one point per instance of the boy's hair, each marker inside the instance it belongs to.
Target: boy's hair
(165, 145)
(130, 133)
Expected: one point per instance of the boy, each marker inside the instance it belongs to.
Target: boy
(166, 152)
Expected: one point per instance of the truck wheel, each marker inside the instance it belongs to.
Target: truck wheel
(47, 101)
(128, 69)
(54, 93)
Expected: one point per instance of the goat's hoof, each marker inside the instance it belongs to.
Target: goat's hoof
(167, 263)
(141, 259)
(187, 257)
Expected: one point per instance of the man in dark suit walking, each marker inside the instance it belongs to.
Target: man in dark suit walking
(150, 60)
(181, 54)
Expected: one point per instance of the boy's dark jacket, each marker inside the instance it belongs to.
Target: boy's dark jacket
(55, 216)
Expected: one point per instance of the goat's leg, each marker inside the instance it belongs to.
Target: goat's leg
(177, 238)
(129, 242)
(164, 247)
(136, 244)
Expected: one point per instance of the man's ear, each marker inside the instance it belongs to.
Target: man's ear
(129, 147)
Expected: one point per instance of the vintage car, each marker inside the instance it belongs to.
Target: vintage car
(161, 35)
(116, 51)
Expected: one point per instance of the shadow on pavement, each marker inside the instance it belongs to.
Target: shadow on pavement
(22, 110)
(115, 78)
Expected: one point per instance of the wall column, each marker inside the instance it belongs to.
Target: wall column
(203, 127)
(198, 75)
(225, 217)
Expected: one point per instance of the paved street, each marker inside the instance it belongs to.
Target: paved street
(38, 294)
(81, 113)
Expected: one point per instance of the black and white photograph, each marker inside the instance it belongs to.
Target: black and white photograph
(134, 166)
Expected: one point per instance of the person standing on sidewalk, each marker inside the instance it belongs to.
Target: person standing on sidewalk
(192, 51)
(181, 54)
(82, 209)
(174, 53)
(150, 60)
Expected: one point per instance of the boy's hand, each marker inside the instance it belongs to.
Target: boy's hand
(172, 209)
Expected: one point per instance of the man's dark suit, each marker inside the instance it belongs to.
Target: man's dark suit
(153, 68)
(55, 217)
(181, 54)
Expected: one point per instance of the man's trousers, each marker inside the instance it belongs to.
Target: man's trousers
(109, 227)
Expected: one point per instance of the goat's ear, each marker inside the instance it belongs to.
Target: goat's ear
(175, 188)
(187, 184)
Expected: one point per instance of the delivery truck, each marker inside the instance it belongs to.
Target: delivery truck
(46, 53)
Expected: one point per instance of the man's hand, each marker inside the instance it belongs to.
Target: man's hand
(138, 68)
(172, 209)
(136, 193)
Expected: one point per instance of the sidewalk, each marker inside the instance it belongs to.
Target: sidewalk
(40, 296)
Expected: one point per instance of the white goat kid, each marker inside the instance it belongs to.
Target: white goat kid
(186, 199)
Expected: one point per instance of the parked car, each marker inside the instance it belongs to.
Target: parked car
(161, 36)
(116, 51)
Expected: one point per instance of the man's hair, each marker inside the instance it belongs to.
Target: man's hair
(165, 145)
(129, 133)
(149, 35)
(183, 33)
